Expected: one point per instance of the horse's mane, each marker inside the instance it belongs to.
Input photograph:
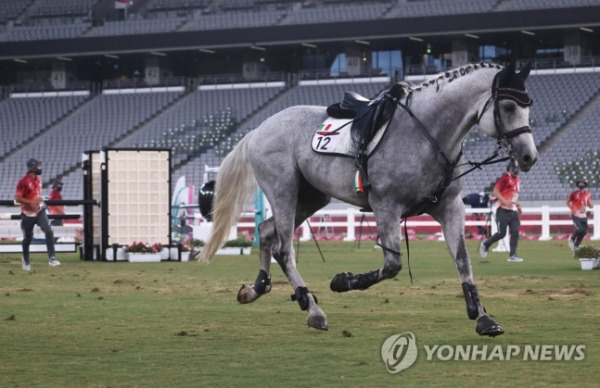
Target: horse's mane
(451, 75)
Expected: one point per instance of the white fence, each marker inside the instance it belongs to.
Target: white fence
(541, 217)
(352, 218)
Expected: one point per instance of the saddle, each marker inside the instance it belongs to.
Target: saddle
(367, 117)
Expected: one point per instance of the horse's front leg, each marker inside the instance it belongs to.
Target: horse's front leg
(388, 227)
(452, 219)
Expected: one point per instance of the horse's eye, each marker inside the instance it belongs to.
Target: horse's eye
(510, 108)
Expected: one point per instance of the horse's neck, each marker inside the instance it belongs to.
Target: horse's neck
(450, 110)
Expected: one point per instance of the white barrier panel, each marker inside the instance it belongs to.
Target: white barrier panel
(38, 247)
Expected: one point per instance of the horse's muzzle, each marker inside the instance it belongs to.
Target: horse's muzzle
(527, 160)
(522, 148)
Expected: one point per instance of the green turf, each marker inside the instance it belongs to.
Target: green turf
(95, 324)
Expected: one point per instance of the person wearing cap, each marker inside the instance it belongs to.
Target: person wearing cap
(577, 202)
(55, 195)
(506, 192)
(29, 195)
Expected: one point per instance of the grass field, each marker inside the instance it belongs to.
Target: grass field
(95, 324)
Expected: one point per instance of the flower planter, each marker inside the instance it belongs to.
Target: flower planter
(185, 256)
(144, 257)
(587, 264)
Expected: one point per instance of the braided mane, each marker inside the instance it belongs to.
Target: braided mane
(451, 75)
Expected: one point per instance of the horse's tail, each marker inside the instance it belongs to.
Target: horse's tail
(234, 186)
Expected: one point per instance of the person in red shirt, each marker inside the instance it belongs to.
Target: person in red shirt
(29, 195)
(577, 202)
(55, 195)
(506, 191)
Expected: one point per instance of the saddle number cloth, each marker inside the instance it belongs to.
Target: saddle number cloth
(334, 137)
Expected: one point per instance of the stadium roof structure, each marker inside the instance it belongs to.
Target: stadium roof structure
(506, 28)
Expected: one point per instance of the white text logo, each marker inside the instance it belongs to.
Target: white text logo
(504, 353)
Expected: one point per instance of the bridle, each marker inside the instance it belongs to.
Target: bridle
(502, 135)
(519, 96)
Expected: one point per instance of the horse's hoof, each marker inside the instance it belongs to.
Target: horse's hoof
(341, 282)
(487, 326)
(318, 322)
(246, 294)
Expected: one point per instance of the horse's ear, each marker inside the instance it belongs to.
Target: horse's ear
(507, 74)
(524, 73)
(510, 68)
(398, 90)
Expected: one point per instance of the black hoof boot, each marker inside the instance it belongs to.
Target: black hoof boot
(487, 326)
(341, 282)
(346, 281)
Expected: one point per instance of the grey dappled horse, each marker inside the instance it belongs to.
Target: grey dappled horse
(410, 172)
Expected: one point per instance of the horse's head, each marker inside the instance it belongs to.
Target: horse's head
(508, 121)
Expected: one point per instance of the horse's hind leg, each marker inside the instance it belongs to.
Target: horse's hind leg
(283, 252)
(453, 225)
(262, 285)
(276, 239)
(309, 201)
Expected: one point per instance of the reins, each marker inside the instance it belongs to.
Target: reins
(477, 165)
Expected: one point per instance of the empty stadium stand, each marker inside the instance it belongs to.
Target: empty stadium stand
(99, 122)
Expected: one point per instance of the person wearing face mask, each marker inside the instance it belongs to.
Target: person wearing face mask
(506, 192)
(29, 195)
(577, 202)
(55, 195)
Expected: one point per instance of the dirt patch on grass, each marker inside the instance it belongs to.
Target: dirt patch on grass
(125, 282)
(569, 292)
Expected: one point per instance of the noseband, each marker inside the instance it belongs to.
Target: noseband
(519, 96)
